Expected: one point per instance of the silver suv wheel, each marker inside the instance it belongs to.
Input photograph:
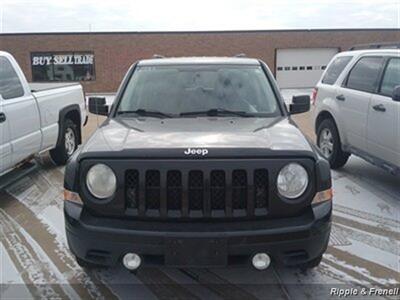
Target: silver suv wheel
(325, 142)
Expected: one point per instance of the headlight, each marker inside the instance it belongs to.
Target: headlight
(292, 181)
(101, 181)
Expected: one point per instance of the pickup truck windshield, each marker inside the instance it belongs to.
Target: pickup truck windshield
(188, 91)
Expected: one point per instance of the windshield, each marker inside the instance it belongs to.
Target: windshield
(185, 90)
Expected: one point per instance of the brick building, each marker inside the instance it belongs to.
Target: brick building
(100, 60)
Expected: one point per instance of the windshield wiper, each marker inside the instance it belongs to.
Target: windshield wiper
(144, 112)
(218, 112)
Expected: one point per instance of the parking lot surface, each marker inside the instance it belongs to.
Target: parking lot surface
(364, 249)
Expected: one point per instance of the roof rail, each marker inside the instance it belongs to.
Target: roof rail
(240, 55)
(158, 56)
(391, 45)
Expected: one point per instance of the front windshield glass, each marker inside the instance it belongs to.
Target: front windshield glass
(176, 90)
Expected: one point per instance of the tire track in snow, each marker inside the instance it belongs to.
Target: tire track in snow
(377, 242)
(85, 285)
(337, 237)
(36, 275)
(366, 270)
(340, 273)
(37, 192)
(281, 283)
(218, 285)
(163, 286)
(366, 227)
(349, 279)
(366, 215)
(373, 186)
(57, 175)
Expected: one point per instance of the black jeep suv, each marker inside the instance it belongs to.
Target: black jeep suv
(198, 164)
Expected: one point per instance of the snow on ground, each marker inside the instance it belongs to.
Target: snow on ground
(10, 277)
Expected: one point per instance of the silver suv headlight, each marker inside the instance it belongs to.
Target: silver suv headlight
(101, 181)
(292, 181)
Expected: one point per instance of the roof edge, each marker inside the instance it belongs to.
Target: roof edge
(197, 32)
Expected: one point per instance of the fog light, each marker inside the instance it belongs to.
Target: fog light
(131, 261)
(261, 261)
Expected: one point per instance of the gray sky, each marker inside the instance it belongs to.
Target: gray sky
(170, 15)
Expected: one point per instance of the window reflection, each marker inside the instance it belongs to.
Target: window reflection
(75, 66)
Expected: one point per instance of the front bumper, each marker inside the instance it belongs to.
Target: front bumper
(289, 241)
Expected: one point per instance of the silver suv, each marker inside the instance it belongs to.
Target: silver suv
(356, 108)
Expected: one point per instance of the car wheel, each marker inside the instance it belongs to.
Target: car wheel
(328, 141)
(311, 264)
(68, 143)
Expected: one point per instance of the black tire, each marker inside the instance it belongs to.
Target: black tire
(311, 264)
(337, 158)
(62, 152)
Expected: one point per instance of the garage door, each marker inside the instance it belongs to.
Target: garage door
(301, 67)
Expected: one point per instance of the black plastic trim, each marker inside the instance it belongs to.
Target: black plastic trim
(197, 32)
(61, 118)
(116, 205)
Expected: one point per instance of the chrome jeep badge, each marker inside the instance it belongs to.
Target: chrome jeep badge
(198, 151)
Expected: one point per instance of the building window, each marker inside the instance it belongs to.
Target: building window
(63, 66)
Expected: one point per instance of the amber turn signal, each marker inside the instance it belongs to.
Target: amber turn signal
(322, 196)
(72, 197)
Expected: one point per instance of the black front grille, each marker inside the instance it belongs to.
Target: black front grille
(132, 188)
(260, 189)
(239, 189)
(217, 187)
(174, 190)
(196, 190)
(197, 193)
(153, 192)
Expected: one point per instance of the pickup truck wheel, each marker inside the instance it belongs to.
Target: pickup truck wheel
(328, 140)
(68, 143)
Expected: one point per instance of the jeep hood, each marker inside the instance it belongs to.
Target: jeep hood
(116, 137)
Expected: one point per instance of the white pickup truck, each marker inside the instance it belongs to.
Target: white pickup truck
(37, 117)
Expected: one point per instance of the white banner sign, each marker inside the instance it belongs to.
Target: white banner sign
(63, 59)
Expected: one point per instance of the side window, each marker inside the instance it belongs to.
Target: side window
(365, 74)
(334, 70)
(10, 86)
(391, 78)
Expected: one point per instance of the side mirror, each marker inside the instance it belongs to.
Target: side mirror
(98, 106)
(396, 93)
(300, 104)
